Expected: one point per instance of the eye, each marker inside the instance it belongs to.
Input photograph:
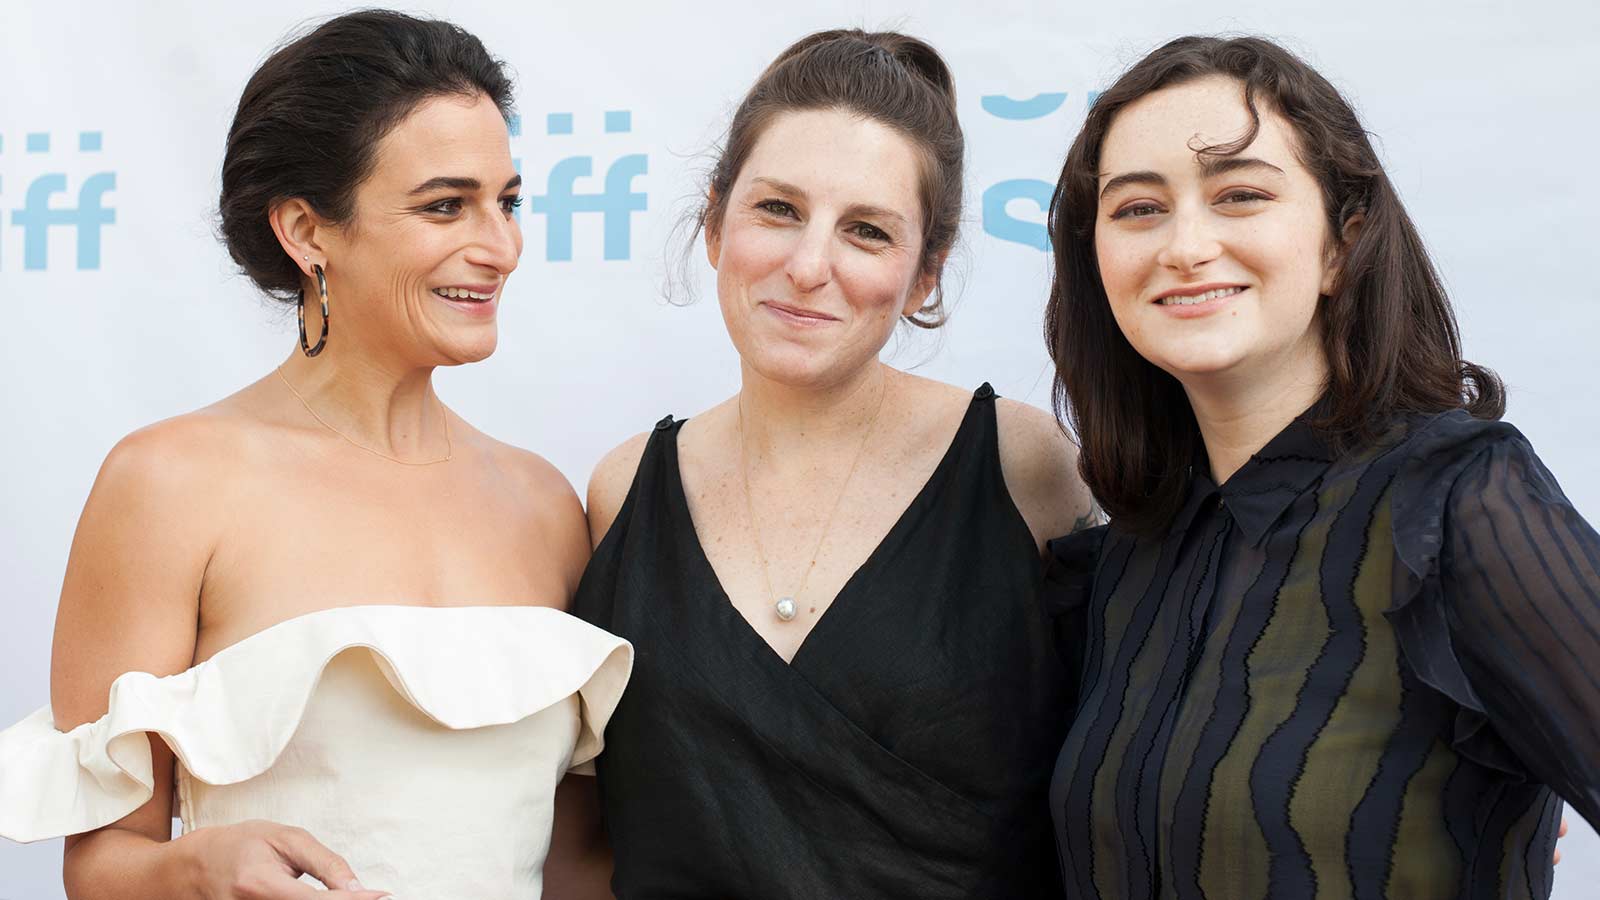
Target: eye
(1140, 209)
(871, 232)
(446, 207)
(508, 205)
(777, 208)
(1242, 195)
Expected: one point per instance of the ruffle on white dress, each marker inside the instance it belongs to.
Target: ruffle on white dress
(423, 744)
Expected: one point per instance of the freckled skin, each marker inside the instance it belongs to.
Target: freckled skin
(816, 254)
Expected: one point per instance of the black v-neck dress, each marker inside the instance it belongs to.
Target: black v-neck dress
(905, 752)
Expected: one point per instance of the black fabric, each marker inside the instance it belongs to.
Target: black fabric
(1355, 676)
(906, 750)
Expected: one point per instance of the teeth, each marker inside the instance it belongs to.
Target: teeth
(1177, 300)
(461, 294)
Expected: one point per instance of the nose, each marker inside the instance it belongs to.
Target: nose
(497, 243)
(1191, 242)
(810, 263)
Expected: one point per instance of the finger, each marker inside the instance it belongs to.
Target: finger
(306, 854)
(299, 890)
(1558, 858)
(1563, 827)
(283, 886)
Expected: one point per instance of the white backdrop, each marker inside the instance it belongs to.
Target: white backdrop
(110, 320)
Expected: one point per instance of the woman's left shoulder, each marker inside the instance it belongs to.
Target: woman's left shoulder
(1456, 436)
(1442, 450)
(1040, 462)
(541, 496)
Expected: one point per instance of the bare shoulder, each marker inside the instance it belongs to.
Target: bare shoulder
(130, 596)
(543, 496)
(535, 475)
(177, 459)
(1040, 462)
(609, 484)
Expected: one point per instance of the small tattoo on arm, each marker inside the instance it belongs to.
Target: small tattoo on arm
(1090, 518)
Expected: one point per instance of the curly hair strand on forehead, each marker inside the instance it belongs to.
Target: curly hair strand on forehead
(1388, 332)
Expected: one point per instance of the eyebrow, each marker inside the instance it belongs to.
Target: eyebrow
(1219, 165)
(1127, 178)
(855, 209)
(458, 183)
(1210, 167)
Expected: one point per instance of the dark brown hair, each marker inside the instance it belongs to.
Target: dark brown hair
(885, 76)
(1388, 332)
(310, 119)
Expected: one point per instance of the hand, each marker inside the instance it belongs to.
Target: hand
(264, 861)
(1559, 835)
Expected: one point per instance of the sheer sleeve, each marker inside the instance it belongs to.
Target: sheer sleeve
(1519, 571)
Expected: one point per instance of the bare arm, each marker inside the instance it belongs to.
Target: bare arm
(579, 864)
(608, 486)
(557, 532)
(130, 602)
(1041, 470)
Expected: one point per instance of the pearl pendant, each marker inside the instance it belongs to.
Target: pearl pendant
(785, 608)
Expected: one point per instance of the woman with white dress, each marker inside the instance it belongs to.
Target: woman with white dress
(322, 620)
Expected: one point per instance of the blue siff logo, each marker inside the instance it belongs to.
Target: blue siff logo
(997, 221)
(615, 202)
(39, 214)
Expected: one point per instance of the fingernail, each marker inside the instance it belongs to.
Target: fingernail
(354, 885)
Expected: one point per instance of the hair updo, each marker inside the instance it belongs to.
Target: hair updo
(890, 78)
(310, 119)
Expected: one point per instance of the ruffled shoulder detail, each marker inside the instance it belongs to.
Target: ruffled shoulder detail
(229, 718)
(1439, 451)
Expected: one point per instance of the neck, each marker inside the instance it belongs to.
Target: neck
(1238, 414)
(809, 419)
(389, 409)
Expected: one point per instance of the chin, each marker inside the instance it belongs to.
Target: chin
(793, 366)
(477, 349)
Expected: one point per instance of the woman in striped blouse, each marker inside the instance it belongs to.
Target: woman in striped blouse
(1343, 624)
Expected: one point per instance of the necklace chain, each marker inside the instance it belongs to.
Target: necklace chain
(449, 448)
(755, 528)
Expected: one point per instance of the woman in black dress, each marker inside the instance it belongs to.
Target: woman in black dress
(845, 685)
(1343, 624)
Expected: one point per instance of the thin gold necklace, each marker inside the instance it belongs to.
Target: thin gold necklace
(785, 607)
(449, 448)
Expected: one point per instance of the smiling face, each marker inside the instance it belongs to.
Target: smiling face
(419, 270)
(1213, 265)
(819, 249)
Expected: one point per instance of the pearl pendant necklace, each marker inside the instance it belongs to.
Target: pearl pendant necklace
(786, 607)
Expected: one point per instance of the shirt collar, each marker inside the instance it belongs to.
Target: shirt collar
(1269, 481)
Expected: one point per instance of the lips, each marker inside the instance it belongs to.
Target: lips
(797, 314)
(1192, 298)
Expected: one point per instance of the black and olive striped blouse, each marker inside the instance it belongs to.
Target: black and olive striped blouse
(1364, 676)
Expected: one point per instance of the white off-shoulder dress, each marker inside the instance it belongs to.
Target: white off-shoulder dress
(422, 744)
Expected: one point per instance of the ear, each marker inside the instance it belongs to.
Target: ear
(301, 233)
(1335, 264)
(927, 281)
(713, 235)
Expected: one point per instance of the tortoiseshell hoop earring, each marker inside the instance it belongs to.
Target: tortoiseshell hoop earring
(300, 310)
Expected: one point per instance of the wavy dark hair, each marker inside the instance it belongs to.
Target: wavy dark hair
(1388, 332)
(311, 117)
(888, 77)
